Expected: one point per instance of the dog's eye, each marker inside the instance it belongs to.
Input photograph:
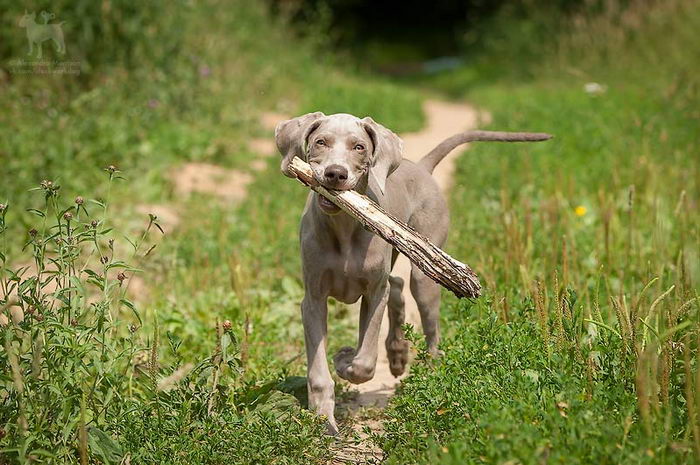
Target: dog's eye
(359, 147)
(320, 142)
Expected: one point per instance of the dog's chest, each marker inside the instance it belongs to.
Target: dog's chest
(352, 269)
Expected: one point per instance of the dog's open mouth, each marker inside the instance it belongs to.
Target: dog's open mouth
(327, 206)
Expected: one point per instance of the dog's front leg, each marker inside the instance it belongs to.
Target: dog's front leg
(320, 385)
(357, 366)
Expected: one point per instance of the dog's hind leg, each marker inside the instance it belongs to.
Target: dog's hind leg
(60, 48)
(427, 295)
(60, 42)
(432, 220)
(396, 344)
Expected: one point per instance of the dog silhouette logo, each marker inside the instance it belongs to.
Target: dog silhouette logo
(39, 33)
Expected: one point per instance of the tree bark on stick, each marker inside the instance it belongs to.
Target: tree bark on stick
(435, 263)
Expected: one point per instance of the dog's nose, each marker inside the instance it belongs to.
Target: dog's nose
(335, 174)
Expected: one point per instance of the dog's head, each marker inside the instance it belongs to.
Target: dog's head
(341, 149)
(27, 19)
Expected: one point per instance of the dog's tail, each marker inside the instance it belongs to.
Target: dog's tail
(435, 156)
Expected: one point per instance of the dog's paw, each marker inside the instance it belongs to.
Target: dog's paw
(351, 369)
(397, 352)
(435, 353)
(343, 360)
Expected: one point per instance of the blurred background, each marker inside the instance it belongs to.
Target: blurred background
(180, 99)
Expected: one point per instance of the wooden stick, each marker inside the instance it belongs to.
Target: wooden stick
(439, 266)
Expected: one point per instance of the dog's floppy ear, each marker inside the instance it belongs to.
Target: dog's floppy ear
(387, 154)
(291, 136)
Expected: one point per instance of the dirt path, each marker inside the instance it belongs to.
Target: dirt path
(443, 119)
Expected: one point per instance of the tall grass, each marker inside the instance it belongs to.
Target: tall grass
(588, 248)
(87, 380)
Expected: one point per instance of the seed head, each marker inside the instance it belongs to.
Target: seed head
(33, 232)
(74, 322)
(3, 433)
(3, 207)
(111, 169)
(94, 224)
(46, 184)
(104, 259)
(227, 325)
(39, 317)
(31, 309)
(133, 328)
(67, 216)
(121, 277)
(79, 200)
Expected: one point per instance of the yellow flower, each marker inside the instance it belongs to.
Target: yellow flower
(580, 210)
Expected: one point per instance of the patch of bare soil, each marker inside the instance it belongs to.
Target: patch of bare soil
(206, 178)
(167, 216)
(443, 119)
(269, 119)
(263, 146)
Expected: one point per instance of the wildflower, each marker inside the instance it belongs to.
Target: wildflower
(3, 433)
(204, 71)
(94, 224)
(49, 187)
(580, 210)
(227, 325)
(67, 216)
(133, 328)
(3, 207)
(111, 169)
(153, 103)
(79, 200)
(39, 317)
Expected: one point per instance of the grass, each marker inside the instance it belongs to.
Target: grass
(584, 348)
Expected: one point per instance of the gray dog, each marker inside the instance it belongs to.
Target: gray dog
(343, 260)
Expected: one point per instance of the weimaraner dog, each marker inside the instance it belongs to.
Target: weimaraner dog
(343, 260)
